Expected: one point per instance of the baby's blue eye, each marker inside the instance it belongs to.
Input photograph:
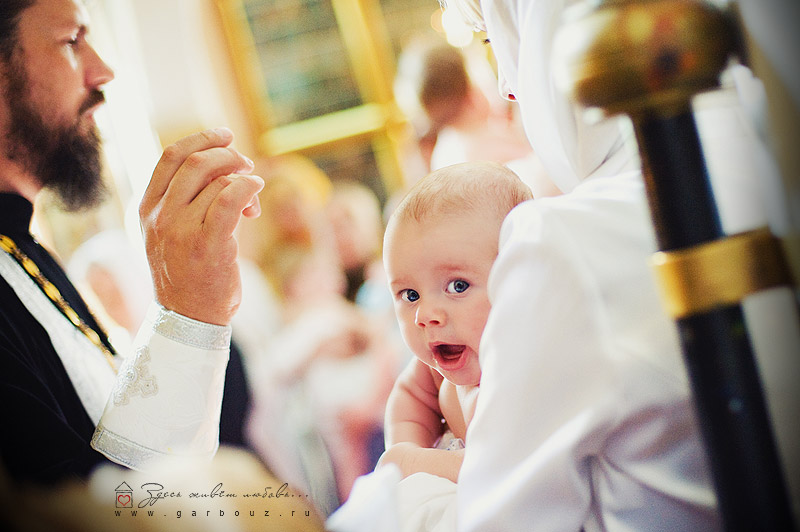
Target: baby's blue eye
(409, 295)
(458, 286)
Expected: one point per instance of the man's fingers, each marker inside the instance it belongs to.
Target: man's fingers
(198, 209)
(201, 168)
(253, 209)
(229, 198)
(175, 155)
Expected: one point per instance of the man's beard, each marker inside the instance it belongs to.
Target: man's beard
(65, 160)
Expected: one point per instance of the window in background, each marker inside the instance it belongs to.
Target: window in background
(316, 76)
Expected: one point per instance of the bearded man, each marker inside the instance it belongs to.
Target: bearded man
(65, 397)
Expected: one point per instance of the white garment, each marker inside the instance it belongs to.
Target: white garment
(166, 397)
(168, 393)
(90, 373)
(584, 417)
(383, 501)
(522, 34)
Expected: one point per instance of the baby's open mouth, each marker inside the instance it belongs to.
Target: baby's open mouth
(448, 354)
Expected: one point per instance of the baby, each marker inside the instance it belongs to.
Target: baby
(439, 247)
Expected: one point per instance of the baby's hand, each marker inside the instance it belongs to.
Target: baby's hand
(410, 458)
(400, 454)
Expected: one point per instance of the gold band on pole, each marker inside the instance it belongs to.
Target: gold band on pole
(720, 273)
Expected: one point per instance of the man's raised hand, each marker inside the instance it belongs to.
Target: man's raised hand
(189, 212)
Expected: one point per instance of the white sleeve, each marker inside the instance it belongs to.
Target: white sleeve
(584, 418)
(168, 392)
(543, 400)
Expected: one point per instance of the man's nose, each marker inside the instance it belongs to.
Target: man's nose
(98, 73)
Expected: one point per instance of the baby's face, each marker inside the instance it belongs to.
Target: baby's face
(438, 271)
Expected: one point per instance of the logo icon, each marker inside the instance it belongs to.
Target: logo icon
(124, 496)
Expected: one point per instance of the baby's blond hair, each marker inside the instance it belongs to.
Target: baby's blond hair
(463, 187)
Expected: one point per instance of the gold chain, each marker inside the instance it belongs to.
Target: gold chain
(50, 290)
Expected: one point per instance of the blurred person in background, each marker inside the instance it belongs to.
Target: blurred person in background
(441, 90)
(321, 379)
(354, 214)
(109, 271)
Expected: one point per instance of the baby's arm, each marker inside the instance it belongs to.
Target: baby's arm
(414, 423)
(412, 410)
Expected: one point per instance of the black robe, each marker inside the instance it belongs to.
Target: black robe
(45, 428)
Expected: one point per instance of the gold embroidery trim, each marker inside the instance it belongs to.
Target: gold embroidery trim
(50, 290)
(720, 273)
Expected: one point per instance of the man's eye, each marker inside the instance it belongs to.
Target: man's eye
(409, 295)
(458, 286)
(77, 37)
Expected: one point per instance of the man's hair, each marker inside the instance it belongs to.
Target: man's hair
(10, 11)
(464, 187)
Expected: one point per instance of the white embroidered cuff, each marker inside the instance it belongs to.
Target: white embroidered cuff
(168, 393)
